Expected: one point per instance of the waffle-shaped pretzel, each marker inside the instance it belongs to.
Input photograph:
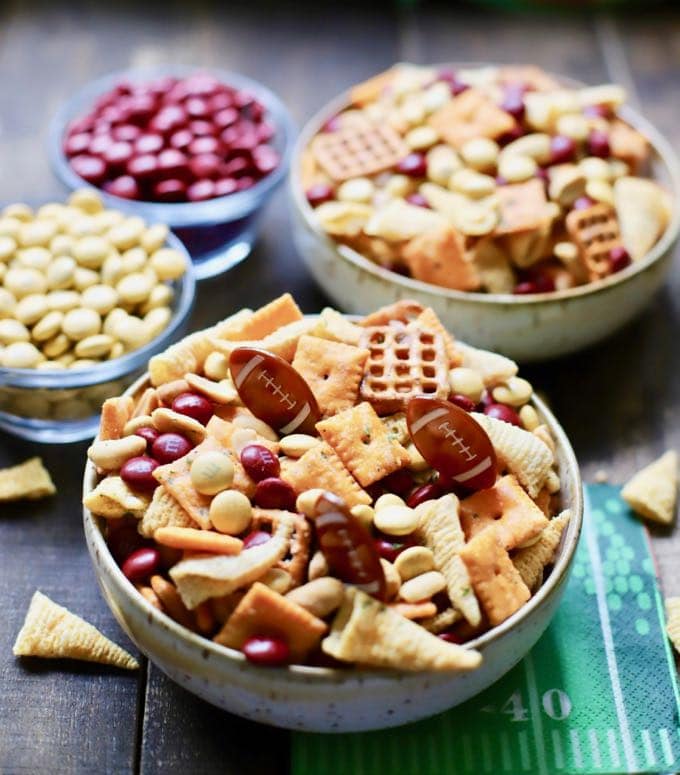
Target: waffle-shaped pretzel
(358, 150)
(402, 363)
(596, 231)
(297, 557)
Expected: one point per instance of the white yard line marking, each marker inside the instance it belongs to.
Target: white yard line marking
(536, 722)
(505, 752)
(576, 748)
(557, 746)
(486, 752)
(613, 748)
(666, 746)
(605, 626)
(594, 748)
(649, 747)
(524, 750)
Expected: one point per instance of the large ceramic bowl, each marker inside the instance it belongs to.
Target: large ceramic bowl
(322, 699)
(528, 327)
(56, 407)
(219, 232)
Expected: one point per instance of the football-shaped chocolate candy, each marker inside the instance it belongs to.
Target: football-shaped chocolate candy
(347, 545)
(273, 391)
(452, 442)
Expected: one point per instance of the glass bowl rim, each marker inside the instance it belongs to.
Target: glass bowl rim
(176, 214)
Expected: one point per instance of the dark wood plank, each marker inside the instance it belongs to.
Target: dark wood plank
(58, 716)
(650, 46)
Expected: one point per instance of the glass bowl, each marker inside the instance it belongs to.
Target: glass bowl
(219, 232)
(64, 406)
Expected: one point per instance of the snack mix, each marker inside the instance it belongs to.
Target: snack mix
(495, 179)
(173, 140)
(80, 284)
(320, 491)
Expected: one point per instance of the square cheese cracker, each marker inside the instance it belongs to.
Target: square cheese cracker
(320, 467)
(265, 612)
(332, 370)
(360, 440)
(505, 508)
(497, 583)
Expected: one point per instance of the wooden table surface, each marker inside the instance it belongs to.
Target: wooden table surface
(619, 402)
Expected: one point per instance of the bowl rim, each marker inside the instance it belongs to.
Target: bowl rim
(557, 576)
(661, 148)
(117, 367)
(176, 214)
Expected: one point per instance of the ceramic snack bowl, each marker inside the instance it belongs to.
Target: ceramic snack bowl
(323, 699)
(218, 232)
(526, 328)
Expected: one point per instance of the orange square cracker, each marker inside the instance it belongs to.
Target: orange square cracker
(439, 258)
(362, 443)
(267, 319)
(470, 115)
(265, 612)
(495, 580)
(321, 467)
(332, 370)
(506, 509)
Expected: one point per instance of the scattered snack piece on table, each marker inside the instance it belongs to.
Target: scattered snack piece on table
(497, 180)
(29, 480)
(376, 492)
(81, 284)
(673, 621)
(52, 632)
(653, 491)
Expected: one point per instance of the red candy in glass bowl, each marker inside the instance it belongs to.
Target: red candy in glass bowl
(160, 146)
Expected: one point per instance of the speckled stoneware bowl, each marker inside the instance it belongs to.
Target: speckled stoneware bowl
(527, 328)
(321, 699)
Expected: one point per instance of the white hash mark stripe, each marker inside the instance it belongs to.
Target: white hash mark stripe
(649, 748)
(594, 748)
(613, 748)
(297, 421)
(486, 463)
(524, 750)
(535, 714)
(605, 626)
(576, 749)
(557, 748)
(505, 752)
(243, 375)
(427, 418)
(666, 746)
